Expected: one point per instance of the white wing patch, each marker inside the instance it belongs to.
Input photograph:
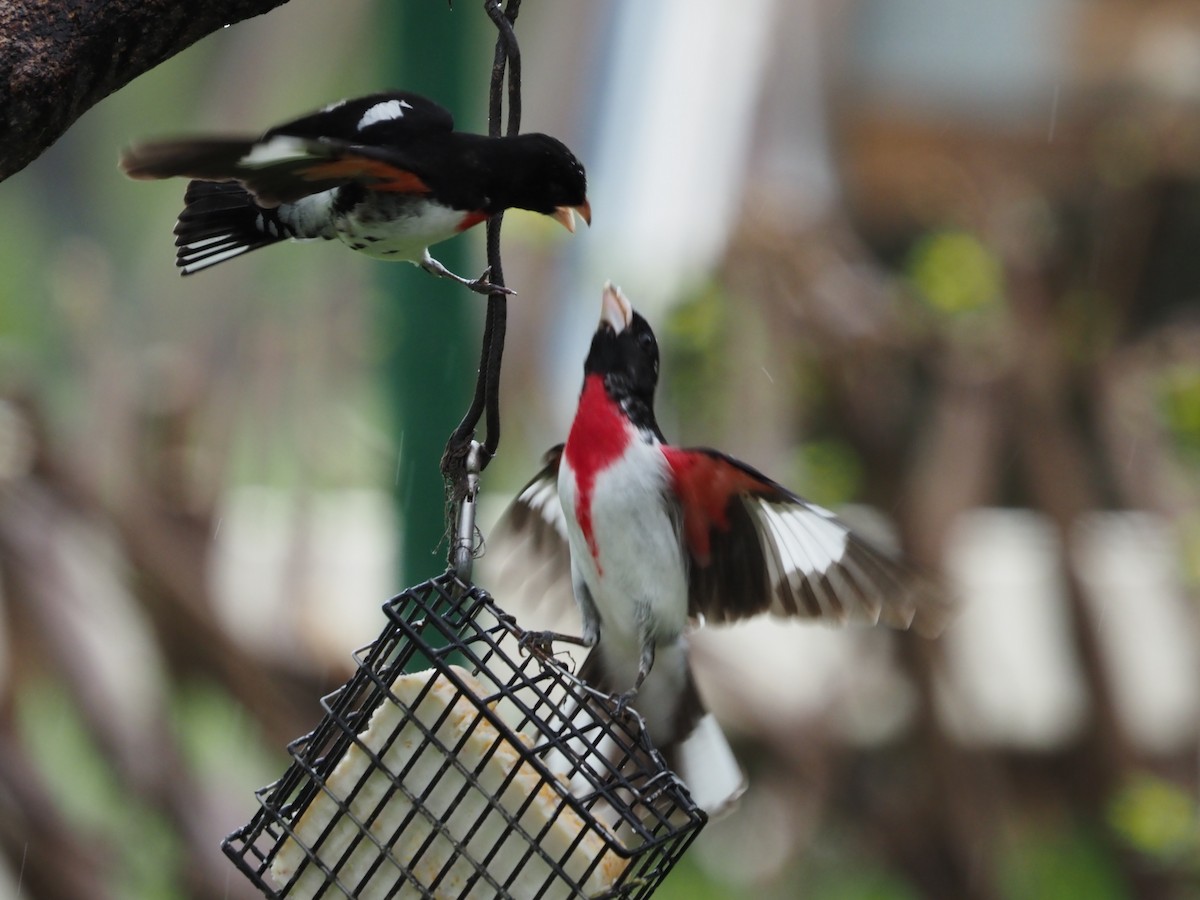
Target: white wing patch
(816, 566)
(542, 497)
(808, 541)
(383, 112)
(807, 550)
(279, 149)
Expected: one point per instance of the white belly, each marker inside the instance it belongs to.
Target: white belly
(634, 569)
(386, 227)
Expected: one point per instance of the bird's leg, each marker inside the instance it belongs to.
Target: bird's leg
(480, 285)
(645, 664)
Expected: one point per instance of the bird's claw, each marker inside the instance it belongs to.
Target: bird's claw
(623, 701)
(540, 643)
(481, 285)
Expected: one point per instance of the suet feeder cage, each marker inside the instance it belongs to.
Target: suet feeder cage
(461, 762)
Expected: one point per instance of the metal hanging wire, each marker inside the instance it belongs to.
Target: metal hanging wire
(486, 400)
(464, 457)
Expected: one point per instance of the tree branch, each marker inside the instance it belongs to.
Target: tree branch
(58, 59)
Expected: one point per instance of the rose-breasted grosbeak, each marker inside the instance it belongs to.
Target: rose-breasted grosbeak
(659, 535)
(386, 174)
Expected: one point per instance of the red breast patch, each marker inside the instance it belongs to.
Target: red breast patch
(599, 435)
(471, 219)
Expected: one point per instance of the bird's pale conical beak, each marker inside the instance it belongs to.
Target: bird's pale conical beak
(565, 215)
(615, 308)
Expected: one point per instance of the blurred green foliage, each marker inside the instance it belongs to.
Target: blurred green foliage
(828, 472)
(221, 741)
(1179, 406)
(1058, 860)
(833, 875)
(21, 259)
(955, 274)
(1159, 819)
(1187, 529)
(694, 343)
(140, 848)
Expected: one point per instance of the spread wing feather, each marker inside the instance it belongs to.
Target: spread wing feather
(756, 547)
(528, 562)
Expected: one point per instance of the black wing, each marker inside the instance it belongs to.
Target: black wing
(385, 119)
(756, 547)
(362, 140)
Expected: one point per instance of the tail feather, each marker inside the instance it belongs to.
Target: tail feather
(705, 762)
(207, 158)
(220, 220)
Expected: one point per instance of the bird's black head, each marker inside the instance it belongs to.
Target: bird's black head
(540, 174)
(625, 353)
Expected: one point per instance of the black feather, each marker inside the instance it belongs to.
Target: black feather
(226, 220)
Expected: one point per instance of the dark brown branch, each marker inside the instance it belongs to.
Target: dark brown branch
(57, 60)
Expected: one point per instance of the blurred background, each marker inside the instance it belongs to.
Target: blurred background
(933, 263)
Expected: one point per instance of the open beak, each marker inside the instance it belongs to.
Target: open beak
(565, 215)
(615, 308)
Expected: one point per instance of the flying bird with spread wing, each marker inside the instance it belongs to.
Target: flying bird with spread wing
(386, 174)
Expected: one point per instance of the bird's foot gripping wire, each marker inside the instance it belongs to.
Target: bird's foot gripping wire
(541, 643)
(480, 285)
(623, 701)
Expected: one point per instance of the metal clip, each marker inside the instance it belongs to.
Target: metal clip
(464, 543)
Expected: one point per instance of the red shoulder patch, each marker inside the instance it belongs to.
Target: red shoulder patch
(705, 485)
(383, 177)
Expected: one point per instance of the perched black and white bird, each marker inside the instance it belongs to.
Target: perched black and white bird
(386, 174)
(661, 536)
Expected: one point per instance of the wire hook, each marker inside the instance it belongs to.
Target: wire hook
(464, 542)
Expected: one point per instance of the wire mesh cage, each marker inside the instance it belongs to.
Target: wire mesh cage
(458, 764)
